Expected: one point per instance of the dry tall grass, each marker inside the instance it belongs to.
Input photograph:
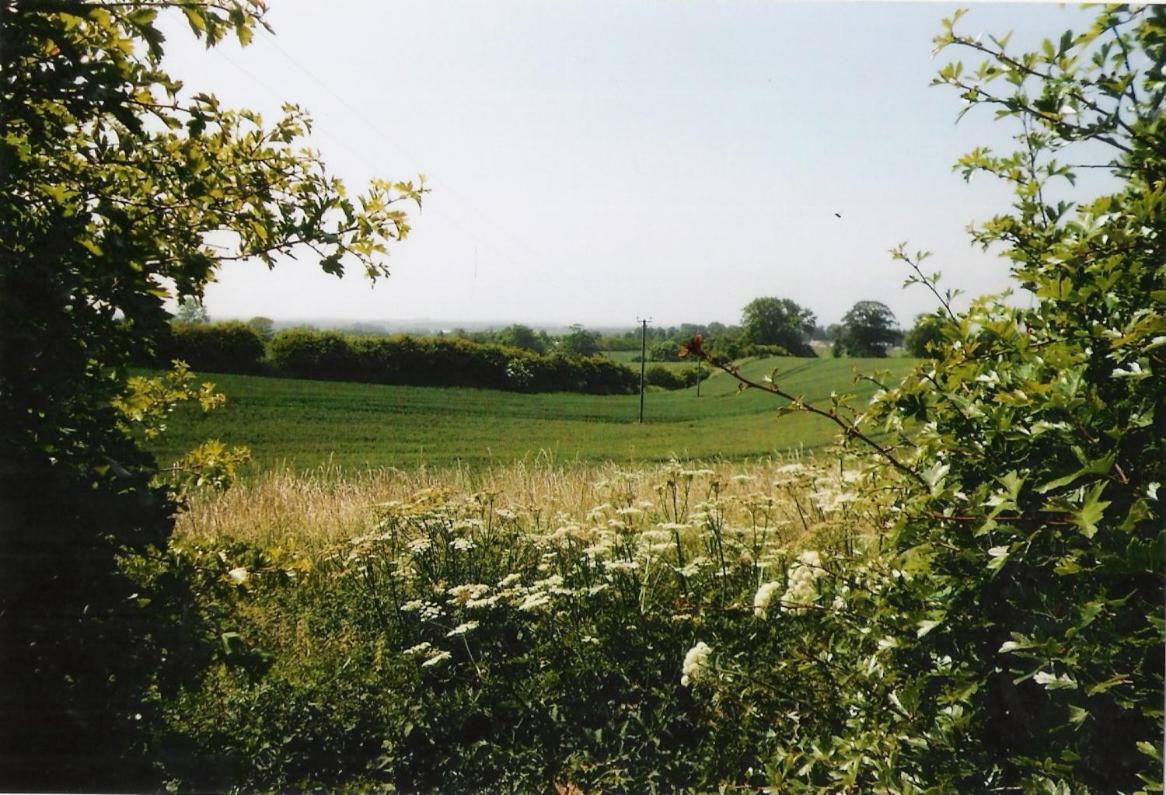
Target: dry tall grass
(316, 508)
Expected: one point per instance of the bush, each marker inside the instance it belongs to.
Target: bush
(441, 361)
(230, 347)
(664, 351)
(663, 377)
(305, 353)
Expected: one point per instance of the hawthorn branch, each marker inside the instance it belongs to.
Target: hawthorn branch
(849, 429)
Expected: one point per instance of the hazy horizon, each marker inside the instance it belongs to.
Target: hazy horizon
(597, 163)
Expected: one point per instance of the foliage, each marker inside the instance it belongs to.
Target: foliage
(441, 361)
(578, 342)
(927, 333)
(230, 347)
(191, 310)
(263, 326)
(778, 321)
(1011, 637)
(868, 329)
(110, 181)
(470, 642)
(522, 337)
(664, 351)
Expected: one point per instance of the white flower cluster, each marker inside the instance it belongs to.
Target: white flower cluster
(764, 597)
(803, 582)
(695, 663)
(463, 594)
(427, 611)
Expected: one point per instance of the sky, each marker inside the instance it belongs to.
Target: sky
(598, 162)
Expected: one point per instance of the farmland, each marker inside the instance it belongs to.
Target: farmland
(306, 423)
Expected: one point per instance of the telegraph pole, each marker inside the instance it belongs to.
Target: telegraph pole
(643, 360)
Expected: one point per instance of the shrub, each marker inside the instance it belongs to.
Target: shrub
(663, 377)
(230, 347)
(305, 353)
(441, 361)
(1005, 629)
(664, 351)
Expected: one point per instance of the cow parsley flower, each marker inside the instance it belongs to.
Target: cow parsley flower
(695, 663)
(764, 598)
(803, 582)
(436, 659)
(462, 629)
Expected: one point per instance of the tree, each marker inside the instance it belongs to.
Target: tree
(925, 335)
(868, 329)
(579, 342)
(191, 310)
(263, 326)
(110, 181)
(778, 321)
(1008, 635)
(520, 336)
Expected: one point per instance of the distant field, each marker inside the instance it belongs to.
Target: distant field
(305, 423)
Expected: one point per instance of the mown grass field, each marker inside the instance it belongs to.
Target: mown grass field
(305, 423)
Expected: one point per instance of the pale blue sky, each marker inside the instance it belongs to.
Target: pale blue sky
(594, 162)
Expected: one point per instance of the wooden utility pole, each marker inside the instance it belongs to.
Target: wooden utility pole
(643, 361)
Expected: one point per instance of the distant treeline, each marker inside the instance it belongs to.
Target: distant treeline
(234, 347)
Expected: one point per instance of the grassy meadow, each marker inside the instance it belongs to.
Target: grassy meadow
(304, 423)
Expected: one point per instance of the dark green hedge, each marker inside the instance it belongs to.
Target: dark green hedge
(230, 347)
(234, 347)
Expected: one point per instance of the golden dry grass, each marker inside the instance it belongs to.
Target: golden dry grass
(316, 508)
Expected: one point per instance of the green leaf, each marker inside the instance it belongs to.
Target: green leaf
(1100, 466)
(1091, 511)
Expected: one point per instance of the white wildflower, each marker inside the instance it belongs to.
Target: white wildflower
(462, 544)
(436, 659)
(461, 594)
(535, 601)
(239, 575)
(421, 648)
(764, 597)
(463, 628)
(695, 662)
(508, 580)
(802, 589)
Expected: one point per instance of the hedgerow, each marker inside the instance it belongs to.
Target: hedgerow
(441, 361)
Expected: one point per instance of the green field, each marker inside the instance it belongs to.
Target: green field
(305, 423)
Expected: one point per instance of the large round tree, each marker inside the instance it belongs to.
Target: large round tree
(778, 321)
(868, 329)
